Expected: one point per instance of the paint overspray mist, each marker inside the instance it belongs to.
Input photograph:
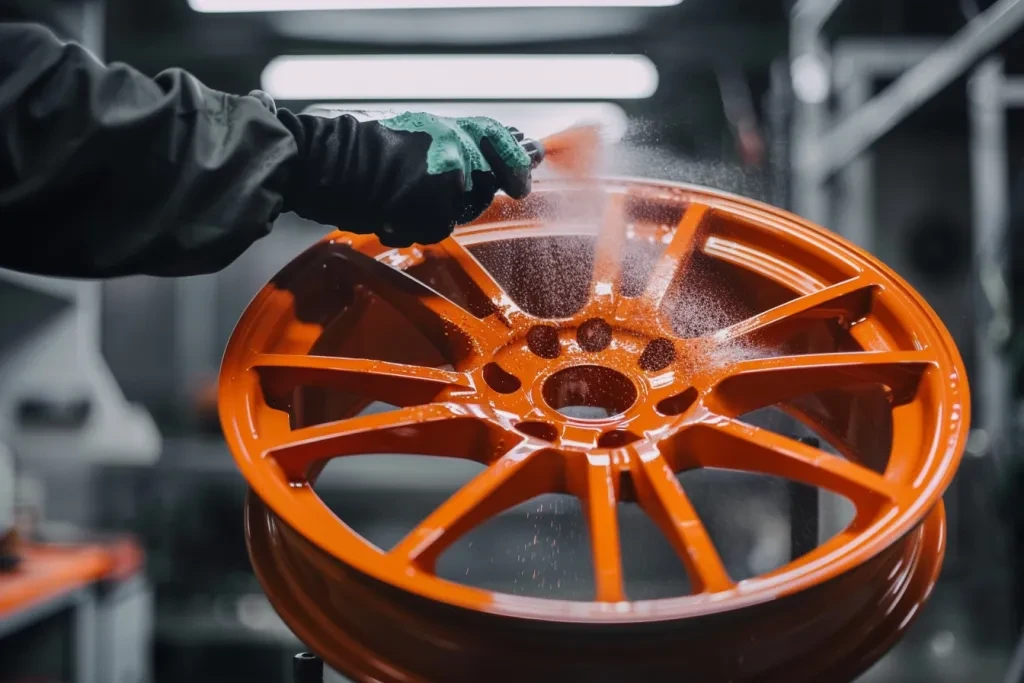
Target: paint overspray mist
(585, 215)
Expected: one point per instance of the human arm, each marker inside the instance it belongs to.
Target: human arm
(106, 172)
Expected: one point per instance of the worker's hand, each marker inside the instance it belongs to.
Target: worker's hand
(409, 179)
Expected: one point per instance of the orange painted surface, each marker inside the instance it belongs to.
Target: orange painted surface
(479, 376)
(48, 571)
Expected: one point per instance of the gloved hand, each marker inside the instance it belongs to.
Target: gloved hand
(409, 179)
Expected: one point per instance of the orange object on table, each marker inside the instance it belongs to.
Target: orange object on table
(49, 571)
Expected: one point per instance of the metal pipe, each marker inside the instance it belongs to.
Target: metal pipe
(851, 136)
(1013, 91)
(816, 12)
(855, 207)
(857, 64)
(780, 111)
(810, 118)
(991, 197)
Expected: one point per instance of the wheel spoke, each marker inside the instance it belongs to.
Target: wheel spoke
(672, 265)
(524, 472)
(319, 514)
(759, 261)
(603, 522)
(507, 310)
(608, 254)
(454, 330)
(725, 443)
(662, 497)
(443, 429)
(849, 300)
(394, 383)
(749, 385)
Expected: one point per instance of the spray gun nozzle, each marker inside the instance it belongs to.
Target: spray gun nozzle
(532, 147)
(536, 151)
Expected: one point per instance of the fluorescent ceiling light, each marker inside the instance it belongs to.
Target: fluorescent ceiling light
(307, 5)
(461, 77)
(453, 30)
(536, 119)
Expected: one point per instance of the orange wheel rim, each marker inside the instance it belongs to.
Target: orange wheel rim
(672, 390)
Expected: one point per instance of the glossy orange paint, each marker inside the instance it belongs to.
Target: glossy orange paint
(827, 325)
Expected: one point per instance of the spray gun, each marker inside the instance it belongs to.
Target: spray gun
(532, 147)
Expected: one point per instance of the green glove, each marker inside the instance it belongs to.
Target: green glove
(409, 179)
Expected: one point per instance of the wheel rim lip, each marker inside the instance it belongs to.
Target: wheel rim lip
(362, 556)
(873, 642)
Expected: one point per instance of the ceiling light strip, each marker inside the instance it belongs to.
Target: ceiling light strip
(220, 6)
(461, 77)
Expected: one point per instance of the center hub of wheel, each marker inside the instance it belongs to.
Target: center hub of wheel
(586, 384)
(589, 392)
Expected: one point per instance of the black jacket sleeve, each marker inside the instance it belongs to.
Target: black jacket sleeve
(106, 172)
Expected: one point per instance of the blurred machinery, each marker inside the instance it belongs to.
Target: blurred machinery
(77, 612)
(71, 606)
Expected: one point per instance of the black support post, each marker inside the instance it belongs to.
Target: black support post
(307, 668)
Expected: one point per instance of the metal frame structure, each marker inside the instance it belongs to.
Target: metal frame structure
(853, 135)
(843, 142)
(823, 149)
(62, 358)
(857, 66)
(991, 93)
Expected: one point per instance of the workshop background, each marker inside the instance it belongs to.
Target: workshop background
(108, 427)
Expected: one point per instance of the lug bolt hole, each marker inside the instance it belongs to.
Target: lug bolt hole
(594, 335)
(617, 439)
(501, 381)
(589, 392)
(678, 404)
(659, 354)
(543, 341)
(540, 430)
